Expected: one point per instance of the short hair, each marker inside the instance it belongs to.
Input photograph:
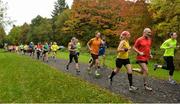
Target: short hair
(146, 30)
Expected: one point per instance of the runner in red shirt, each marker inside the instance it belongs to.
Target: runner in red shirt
(142, 47)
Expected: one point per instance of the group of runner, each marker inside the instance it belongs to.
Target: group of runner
(142, 47)
(40, 50)
(97, 47)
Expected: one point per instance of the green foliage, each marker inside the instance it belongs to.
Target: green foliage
(2, 36)
(166, 16)
(40, 30)
(110, 17)
(14, 35)
(59, 7)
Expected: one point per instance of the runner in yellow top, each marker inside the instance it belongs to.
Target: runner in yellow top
(94, 45)
(123, 59)
(54, 49)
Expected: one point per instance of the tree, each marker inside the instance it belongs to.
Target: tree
(14, 35)
(40, 30)
(59, 7)
(166, 16)
(2, 35)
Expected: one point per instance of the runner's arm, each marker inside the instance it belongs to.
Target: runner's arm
(135, 48)
(120, 47)
(88, 44)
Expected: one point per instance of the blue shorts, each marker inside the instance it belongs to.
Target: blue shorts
(101, 51)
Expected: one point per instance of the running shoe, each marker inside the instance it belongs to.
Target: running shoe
(96, 73)
(173, 82)
(148, 88)
(132, 88)
(78, 72)
(155, 66)
(89, 70)
(136, 69)
(67, 67)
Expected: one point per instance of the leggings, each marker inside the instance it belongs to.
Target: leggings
(170, 64)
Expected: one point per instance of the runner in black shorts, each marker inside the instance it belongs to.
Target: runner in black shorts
(73, 54)
(122, 59)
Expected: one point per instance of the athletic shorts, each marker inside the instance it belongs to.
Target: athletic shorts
(44, 52)
(121, 62)
(139, 61)
(94, 57)
(101, 51)
(73, 56)
(54, 52)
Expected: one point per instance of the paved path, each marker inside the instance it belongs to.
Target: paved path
(162, 92)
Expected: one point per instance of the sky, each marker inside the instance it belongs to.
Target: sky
(21, 11)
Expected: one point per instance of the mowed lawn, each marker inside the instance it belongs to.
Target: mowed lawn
(23, 79)
(110, 62)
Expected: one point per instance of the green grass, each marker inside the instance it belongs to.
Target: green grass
(23, 79)
(110, 62)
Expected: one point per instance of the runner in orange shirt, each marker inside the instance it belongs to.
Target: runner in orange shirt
(93, 46)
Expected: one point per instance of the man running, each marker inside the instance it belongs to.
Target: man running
(93, 46)
(123, 59)
(169, 46)
(142, 47)
(73, 54)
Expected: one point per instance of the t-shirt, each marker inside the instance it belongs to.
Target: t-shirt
(46, 47)
(95, 45)
(54, 47)
(169, 45)
(143, 44)
(78, 47)
(123, 54)
(72, 47)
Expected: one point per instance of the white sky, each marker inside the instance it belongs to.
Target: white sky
(22, 11)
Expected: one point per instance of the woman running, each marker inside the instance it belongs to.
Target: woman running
(169, 46)
(54, 49)
(123, 59)
(73, 54)
(38, 50)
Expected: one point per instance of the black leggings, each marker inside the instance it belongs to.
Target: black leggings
(170, 64)
(71, 56)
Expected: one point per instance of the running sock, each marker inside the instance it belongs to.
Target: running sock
(130, 79)
(112, 74)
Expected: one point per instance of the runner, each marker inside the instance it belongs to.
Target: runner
(142, 47)
(45, 52)
(54, 49)
(31, 49)
(21, 47)
(25, 48)
(38, 50)
(123, 59)
(169, 46)
(73, 55)
(93, 46)
(102, 51)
